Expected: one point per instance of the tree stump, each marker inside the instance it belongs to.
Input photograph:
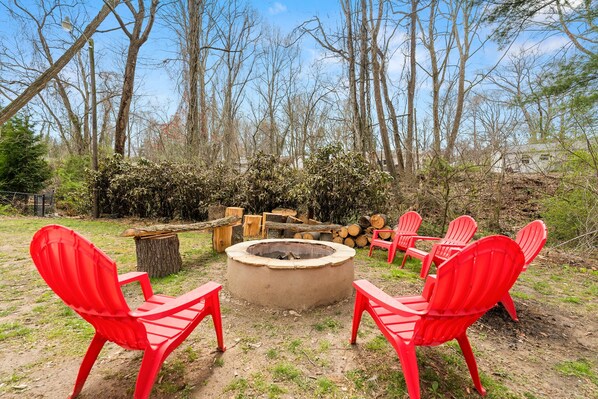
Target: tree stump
(234, 211)
(158, 256)
(222, 238)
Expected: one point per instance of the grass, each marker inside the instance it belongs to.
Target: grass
(269, 355)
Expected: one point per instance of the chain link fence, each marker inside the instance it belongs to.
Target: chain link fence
(29, 203)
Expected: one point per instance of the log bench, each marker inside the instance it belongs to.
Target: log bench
(157, 246)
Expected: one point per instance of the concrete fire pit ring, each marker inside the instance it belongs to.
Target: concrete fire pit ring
(315, 273)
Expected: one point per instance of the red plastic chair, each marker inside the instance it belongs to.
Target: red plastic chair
(531, 239)
(468, 284)
(406, 227)
(87, 281)
(458, 234)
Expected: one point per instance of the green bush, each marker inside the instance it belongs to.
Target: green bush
(268, 184)
(72, 194)
(342, 185)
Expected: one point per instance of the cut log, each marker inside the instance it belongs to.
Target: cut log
(313, 221)
(378, 220)
(222, 238)
(354, 230)
(364, 222)
(343, 232)
(158, 256)
(285, 212)
(216, 211)
(274, 233)
(301, 227)
(252, 225)
(169, 229)
(237, 234)
(298, 235)
(312, 235)
(234, 211)
(271, 217)
(338, 240)
(361, 241)
(385, 235)
(290, 233)
(326, 237)
(350, 242)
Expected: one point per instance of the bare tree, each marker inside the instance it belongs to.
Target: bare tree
(137, 37)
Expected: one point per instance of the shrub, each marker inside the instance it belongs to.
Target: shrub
(71, 194)
(342, 185)
(268, 184)
(22, 166)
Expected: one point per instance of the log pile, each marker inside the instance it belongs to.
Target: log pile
(356, 235)
(359, 235)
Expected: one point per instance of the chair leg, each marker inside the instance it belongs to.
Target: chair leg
(150, 365)
(404, 260)
(509, 305)
(471, 363)
(360, 303)
(96, 345)
(371, 249)
(426, 263)
(410, 371)
(217, 320)
(391, 253)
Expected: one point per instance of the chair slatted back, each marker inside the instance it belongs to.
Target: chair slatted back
(86, 280)
(460, 231)
(409, 223)
(531, 239)
(467, 285)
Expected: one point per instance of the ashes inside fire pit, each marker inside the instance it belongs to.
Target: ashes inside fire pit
(290, 274)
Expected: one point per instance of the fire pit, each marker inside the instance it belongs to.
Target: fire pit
(290, 274)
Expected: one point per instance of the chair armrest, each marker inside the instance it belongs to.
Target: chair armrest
(425, 238)
(381, 298)
(143, 279)
(429, 286)
(180, 303)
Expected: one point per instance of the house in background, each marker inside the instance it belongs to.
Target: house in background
(534, 158)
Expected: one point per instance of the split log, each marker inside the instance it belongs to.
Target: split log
(216, 211)
(361, 241)
(385, 235)
(343, 232)
(237, 234)
(169, 229)
(158, 256)
(285, 212)
(354, 230)
(234, 211)
(286, 233)
(312, 235)
(271, 217)
(222, 238)
(364, 222)
(338, 240)
(350, 242)
(326, 237)
(369, 237)
(369, 230)
(378, 220)
(301, 227)
(252, 225)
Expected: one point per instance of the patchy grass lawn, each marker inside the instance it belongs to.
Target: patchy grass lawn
(550, 353)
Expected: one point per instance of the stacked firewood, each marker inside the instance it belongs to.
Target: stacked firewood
(285, 225)
(360, 234)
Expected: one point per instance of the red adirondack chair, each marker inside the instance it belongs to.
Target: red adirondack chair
(450, 302)
(458, 234)
(531, 239)
(87, 281)
(406, 227)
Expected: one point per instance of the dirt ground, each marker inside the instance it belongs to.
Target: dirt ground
(551, 353)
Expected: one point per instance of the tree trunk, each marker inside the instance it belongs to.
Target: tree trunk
(158, 257)
(409, 165)
(120, 130)
(40, 83)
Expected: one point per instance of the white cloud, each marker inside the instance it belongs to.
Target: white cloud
(277, 8)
